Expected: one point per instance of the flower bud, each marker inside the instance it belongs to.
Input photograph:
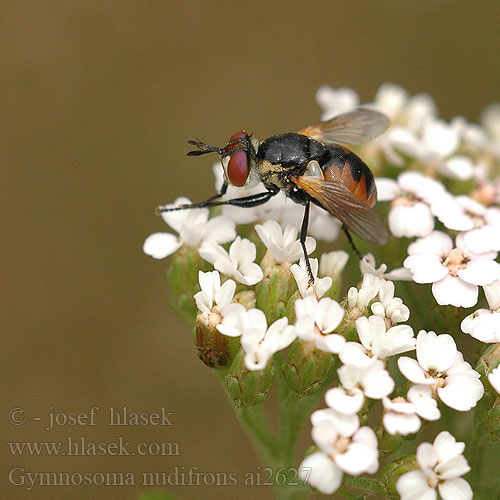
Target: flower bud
(214, 349)
(246, 298)
(306, 367)
(275, 290)
(182, 280)
(248, 388)
(394, 470)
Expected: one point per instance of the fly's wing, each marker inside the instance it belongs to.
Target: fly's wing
(355, 127)
(346, 206)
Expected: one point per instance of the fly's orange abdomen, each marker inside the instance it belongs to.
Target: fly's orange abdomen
(347, 168)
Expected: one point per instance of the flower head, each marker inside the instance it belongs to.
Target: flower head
(194, 228)
(372, 381)
(437, 147)
(377, 342)
(454, 272)
(401, 416)
(214, 302)
(484, 324)
(440, 366)
(343, 448)
(259, 342)
(316, 321)
(320, 285)
(440, 466)
(283, 243)
(412, 196)
(238, 262)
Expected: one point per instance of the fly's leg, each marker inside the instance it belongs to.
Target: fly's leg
(222, 192)
(247, 201)
(349, 239)
(303, 235)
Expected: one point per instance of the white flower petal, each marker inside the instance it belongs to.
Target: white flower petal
(411, 220)
(455, 292)
(455, 489)
(336, 101)
(494, 379)
(447, 447)
(321, 473)
(426, 268)
(349, 376)
(203, 302)
(224, 294)
(161, 245)
(397, 423)
(249, 274)
(348, 403)
(480, 272)
(377, 382)
(354, 354)
(332, 342)
(257, 360)
(413, 486)
(357, 459)
(435, 352)
(427, 456)
(437, 243)
(221, 229)
(329, 314)
(413, 371)
(425, 404)
(176, 219)
(396, 340)
(461, 392)
(343, 424)
(369, 329)
(387, 189)
(457, 466)
(492, 293)
(333, 263)
(231, 320)
(440, 138)
(483, 325)
(458, 167)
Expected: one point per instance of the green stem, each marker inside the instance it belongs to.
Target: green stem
(477, 444)
(278, 452)
(254, 420)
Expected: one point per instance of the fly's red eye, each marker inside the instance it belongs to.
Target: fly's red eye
(239, 135)
(237, 168)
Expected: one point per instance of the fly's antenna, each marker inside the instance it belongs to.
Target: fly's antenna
(203, 149)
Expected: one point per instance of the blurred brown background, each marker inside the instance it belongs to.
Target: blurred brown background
(97, 101)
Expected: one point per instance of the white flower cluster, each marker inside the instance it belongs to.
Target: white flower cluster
(439, 374)
(316, 321)
(440, 466)
(459, 151)
(456, 249)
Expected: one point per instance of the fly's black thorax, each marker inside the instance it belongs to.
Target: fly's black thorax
(282, 156)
